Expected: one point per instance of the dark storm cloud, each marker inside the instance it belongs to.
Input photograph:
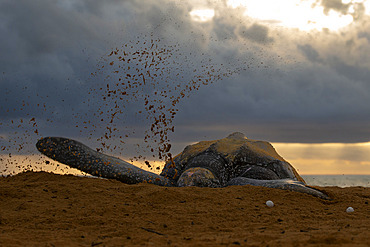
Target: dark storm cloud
(43, 53)
(310, 53)
(365, 35)
(356, 9)
(292, 87)
(256, 33)
(51, 47)
(313, 105)
(336, 5)
(318, 98)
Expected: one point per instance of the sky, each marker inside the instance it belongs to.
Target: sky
(294, 73)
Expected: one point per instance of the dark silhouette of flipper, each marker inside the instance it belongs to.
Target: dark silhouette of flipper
(83, 158)
(284, 184)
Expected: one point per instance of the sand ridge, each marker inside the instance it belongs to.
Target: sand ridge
(44, 209)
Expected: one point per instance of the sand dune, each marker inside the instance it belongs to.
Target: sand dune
(43, 209)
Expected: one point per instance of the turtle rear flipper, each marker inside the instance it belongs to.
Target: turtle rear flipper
(284, 184)
(83, 158)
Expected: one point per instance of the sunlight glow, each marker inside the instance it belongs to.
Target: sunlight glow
(304, 15)
(327, 158)
(367, 7)
(202, 15)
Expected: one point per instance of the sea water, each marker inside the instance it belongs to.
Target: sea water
(337, 180)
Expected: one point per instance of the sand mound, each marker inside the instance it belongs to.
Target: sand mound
(43, 209)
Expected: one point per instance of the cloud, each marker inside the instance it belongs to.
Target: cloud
(256, 33)
(356, 9)
(43, 59)
(289, 85)
(328, 158)
(310, 53)
(336, 5)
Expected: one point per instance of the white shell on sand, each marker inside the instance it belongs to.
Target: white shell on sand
(269, 204)
(350, 210)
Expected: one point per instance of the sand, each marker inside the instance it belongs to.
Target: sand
(44, 209)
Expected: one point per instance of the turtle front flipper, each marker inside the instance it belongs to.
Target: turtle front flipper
(78, 155)
(284, 184)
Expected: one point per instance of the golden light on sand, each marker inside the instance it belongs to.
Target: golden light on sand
(202, 15)
(304, 15)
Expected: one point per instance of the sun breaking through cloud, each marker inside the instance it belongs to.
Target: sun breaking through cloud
(304, 15)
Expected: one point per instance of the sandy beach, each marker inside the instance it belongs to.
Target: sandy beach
(44, 209)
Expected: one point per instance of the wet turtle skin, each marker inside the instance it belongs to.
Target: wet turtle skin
(231, 157)
(234, 160)
(83, 158)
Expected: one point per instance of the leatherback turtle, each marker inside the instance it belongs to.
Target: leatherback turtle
(234, 160)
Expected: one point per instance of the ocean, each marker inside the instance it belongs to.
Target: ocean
(337, 180)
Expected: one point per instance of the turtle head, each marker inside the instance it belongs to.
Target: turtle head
(197, 176)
